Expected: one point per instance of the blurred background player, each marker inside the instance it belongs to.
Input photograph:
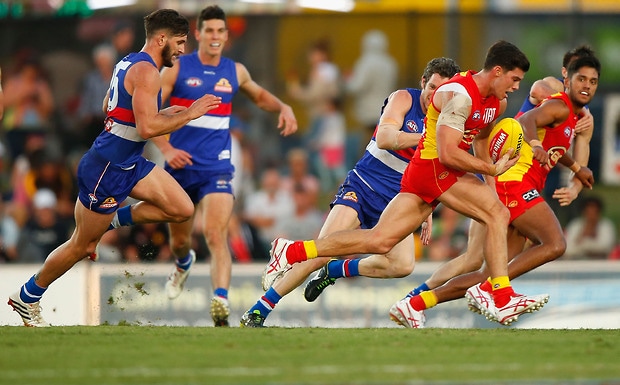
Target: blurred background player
(198, 155)
(368, 188)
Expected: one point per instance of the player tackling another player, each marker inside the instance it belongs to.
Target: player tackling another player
(442, 170)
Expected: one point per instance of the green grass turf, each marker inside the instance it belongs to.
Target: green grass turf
(185, 355)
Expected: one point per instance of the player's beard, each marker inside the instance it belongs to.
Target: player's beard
(166, 55)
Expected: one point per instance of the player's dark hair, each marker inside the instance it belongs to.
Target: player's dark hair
(166, 19)
(585, 61)
(210, 13)
(577, 52)
(443, 66)
(507, 56)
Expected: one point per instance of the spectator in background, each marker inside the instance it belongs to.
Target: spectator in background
(94, 87)
(44, 231)
(44, 169)
(306, 221)
(28, 103)
(1, 97)
(148, 242)
(321, 87)
(329, 144)
(266, 206)
(298, 173)
(590, 236)
(122, 39)
(9, 234)
(374, 76)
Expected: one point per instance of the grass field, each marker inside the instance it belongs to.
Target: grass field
(174, 355)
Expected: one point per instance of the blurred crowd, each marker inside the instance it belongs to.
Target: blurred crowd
(286, 194)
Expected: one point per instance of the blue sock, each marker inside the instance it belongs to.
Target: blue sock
(340, 268)
(31, 292)
(221, 292)
(122, 217)
(418, 290)
(185, 262)
(267, 302)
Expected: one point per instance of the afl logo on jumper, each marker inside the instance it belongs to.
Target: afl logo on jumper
(411, 125)
(475, 116)
(444, 175)
(193, 82)
(223, 85)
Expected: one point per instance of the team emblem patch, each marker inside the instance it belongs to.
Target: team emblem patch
(350, 196)
(109, 203)
(223, 85)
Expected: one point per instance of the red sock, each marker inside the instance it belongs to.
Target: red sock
(502, 296)
(296, 252)
(417, 303)
(486, 286)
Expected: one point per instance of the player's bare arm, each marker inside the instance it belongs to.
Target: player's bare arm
(265, 100)
(544, 88)
(585, 122)
(389, 134)
(176, 158)
(455, 109)
(583, 174)
(143, 83)
(550, 113)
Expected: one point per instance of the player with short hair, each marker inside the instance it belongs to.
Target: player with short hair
(368, 188)
(113, 168)
(549, 130)
(540, 90)
(461, 115)
(198, 156)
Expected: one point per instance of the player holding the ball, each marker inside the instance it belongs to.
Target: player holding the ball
(442, 170)
(549, 130)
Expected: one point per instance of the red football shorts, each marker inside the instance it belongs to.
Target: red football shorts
(428, 179)
(518, 196)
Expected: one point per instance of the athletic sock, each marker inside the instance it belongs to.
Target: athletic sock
(418, 290)
(424, 300)
(31, 292)
(122, 217)
(221, 292)
(266, 303)
(502, 291)
(185, 262)
(339, 268)
(486, 286)
(300, 251)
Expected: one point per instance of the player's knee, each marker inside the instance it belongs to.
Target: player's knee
(556, 249)
(403, 269)
(180, 242)
(180, 212)
(214, 236)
